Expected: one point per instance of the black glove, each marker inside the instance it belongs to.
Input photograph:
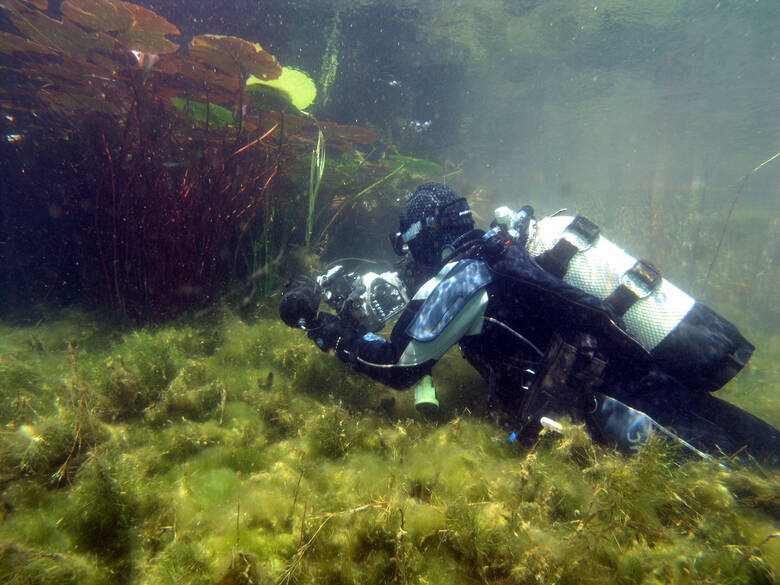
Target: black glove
(300, 301)
(330, 333)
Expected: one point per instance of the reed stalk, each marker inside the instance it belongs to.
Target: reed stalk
(315, 178)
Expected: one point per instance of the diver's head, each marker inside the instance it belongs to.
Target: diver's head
(432, 218)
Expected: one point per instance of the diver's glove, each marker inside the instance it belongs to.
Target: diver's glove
(300, 301)
(331, 334)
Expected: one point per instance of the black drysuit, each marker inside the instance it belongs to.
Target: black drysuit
(524, 308)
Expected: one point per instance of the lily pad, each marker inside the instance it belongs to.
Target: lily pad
(98, 15)
(66, 103)
(193, 77)
(70, 75)
(61, 36)
(148, 32)
(212, 112)
(11, 44)
(297, 87)
(235, 56)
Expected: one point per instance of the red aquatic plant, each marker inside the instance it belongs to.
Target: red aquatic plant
(153, 155)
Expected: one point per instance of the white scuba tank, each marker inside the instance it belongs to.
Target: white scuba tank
(599, 267)
(685, 338)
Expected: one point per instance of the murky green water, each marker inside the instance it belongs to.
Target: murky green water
(161, 425)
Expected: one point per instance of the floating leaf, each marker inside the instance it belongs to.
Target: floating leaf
(298, 87)
(11, 44)
(71, 74)
(98, 15)
(293, 125)
(69, 102)
(39, 4)
(235, 56)
(106, 65)
(269, 98)
(64, 37)
(148, 32)
(200, 111)
(193, 76)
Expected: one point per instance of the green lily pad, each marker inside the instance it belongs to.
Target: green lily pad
(298, 87)
(200, 111)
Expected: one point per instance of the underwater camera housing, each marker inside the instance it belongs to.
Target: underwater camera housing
(369, 299)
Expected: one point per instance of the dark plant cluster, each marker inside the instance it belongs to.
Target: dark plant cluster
(134, 167)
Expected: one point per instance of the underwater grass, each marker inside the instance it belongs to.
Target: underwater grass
(219, 451)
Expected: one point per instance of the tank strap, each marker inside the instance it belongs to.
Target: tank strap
(568, 377)
(578, 236)
(638, 282)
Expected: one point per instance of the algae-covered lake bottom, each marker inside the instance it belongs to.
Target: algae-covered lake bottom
(216, 450)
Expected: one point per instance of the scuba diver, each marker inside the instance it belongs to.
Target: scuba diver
(556, 318)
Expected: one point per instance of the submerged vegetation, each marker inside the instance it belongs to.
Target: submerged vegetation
(214, 451)
(141, 172)
(151, 177)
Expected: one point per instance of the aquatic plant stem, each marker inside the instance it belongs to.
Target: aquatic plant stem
(238, 516)
(731, 211)
(330, 60)
(358, 196)
(297, 491)
(289, 573)
(316, 170)
(256, 140)
(270, 213)
(79, 403)
(264, 189)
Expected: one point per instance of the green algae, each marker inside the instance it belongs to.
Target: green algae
(217, 450)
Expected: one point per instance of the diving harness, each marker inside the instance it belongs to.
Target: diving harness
(685, 338)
